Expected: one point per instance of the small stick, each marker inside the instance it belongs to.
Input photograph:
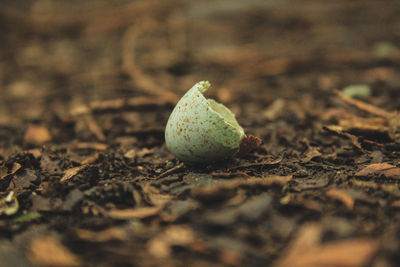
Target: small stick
(119, 104)
(143, 81)
(169, 171)
(364, 106)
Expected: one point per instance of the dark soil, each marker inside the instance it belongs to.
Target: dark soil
(87, 88)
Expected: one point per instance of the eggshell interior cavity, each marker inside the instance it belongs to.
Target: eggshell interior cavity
(201, 130)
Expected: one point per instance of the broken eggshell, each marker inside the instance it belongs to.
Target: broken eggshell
(201, 130)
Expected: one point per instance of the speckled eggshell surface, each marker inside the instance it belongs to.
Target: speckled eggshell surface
(201, 130)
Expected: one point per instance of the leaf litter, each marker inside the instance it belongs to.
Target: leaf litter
(86, 179)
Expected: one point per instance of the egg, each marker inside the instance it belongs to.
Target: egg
(201, 130)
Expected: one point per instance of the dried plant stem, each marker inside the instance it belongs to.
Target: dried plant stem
(143, 81)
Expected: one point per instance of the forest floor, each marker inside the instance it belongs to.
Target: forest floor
(86, 89)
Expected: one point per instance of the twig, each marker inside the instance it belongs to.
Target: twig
(94, 127)
(172, 170)
(120, 104)
(143, 81)
(365, 106)
(268, 162)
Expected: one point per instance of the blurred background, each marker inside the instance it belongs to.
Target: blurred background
(57, 54)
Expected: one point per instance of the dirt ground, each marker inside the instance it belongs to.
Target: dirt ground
(86, 89)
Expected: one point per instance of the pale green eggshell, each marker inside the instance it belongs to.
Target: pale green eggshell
(201, 130)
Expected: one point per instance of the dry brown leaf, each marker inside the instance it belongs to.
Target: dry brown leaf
(340, 131)
(3, 170)
(153, 195)
(309, 235)
(144, 152)
(311, 153)
(69, 173)
(48, 251)
(138, 213)
(37, 135)
(130, 154)
(385, 169)
(386, 121)
(179, 235)
(306, 250)
(342, 196)
(110, 234)
(349, 253)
